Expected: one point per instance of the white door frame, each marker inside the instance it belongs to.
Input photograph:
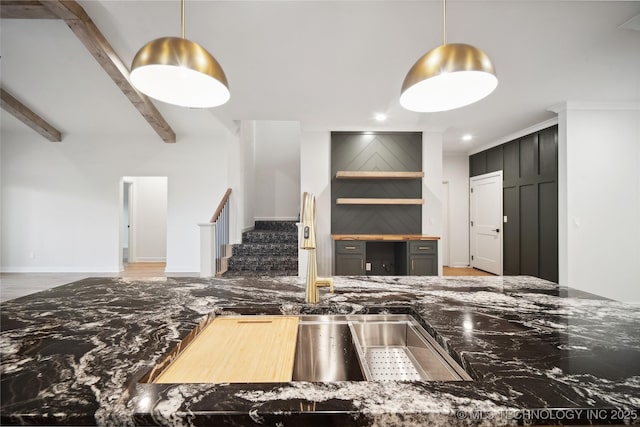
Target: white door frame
(446, 242)
(132, 235)
(124, 182)
(499, 221)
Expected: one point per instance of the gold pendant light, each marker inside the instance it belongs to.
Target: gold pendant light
(448, 77)
(180, 72)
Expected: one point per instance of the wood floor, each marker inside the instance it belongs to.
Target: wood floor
(451, 271)
(144, 269)
(15, 285)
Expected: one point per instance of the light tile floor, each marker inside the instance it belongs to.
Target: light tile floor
(16, 285)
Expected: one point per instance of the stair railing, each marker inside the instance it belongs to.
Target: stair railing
(214, 240)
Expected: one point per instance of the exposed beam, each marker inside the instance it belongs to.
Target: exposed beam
(84, 28)
(28, 117)
(25, 9)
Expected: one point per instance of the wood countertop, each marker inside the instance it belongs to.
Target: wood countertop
(396, 237)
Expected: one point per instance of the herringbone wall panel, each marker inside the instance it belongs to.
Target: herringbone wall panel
(399, 152)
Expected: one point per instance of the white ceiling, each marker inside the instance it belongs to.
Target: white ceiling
(332, 64)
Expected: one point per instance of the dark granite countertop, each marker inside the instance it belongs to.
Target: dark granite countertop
(538, 354)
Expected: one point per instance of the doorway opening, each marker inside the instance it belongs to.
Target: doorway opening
(143, 219)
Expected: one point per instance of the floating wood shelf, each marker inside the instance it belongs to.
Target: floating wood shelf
(378, 175)
(378, 201)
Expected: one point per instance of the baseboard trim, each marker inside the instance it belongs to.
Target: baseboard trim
(105, 270)
(169, 270)
(150, 259)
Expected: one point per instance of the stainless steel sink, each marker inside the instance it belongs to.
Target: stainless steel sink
(397, 348)
(367, 347)
(325, 351)
(370, 348)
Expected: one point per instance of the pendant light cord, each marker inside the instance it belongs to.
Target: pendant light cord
(182, 20)
(444, 22)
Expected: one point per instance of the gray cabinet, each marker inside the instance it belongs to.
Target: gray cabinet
(400, 258)
(423, 258)
(350, 258)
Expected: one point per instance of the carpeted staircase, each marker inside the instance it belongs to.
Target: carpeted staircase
(270, 249)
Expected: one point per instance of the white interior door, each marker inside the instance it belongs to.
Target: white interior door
(486, 222)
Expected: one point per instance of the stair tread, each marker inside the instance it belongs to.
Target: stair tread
(269, 249)
(230, 273)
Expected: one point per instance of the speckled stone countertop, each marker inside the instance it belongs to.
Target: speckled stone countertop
(538, 354)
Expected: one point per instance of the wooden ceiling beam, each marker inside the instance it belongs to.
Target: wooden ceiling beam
(28, 117)
(25, 9)
(85, 29)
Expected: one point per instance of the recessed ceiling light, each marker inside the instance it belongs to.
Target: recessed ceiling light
(467, 137)
(380, 117)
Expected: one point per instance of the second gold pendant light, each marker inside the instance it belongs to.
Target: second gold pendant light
(448, 77)
(179, 71)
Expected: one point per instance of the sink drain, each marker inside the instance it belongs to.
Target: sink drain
(391, 364)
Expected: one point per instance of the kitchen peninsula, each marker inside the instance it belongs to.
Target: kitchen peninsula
(537, 354)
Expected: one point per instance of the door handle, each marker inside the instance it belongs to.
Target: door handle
(497, 230)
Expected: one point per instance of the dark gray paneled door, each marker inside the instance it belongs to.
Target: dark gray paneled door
(530, 201)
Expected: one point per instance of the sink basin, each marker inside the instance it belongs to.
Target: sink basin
(370, 348)
(325, 351)
(328, 348)
(398, 349)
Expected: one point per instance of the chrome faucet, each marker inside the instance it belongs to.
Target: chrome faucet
(308, 216)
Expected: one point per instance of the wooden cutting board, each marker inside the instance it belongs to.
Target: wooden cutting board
(238, 349)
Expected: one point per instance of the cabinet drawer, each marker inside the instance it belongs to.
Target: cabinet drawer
(350, 247)
(423, 247)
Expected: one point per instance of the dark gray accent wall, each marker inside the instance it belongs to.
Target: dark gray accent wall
(530, 201)
(398, 151)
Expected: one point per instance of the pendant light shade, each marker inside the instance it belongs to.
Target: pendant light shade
(448, 77)
(179, 72)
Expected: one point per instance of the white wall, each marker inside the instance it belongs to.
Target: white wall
(455, 170)
(149, 219)
(315, 178)
(248, 166)
(432, 188)
(599, 199)
(61, 202)
(277, 170)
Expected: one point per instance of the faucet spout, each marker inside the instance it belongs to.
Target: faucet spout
(308, 215)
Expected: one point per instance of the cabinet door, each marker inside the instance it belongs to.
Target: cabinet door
(349, 265)
(423, 265)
